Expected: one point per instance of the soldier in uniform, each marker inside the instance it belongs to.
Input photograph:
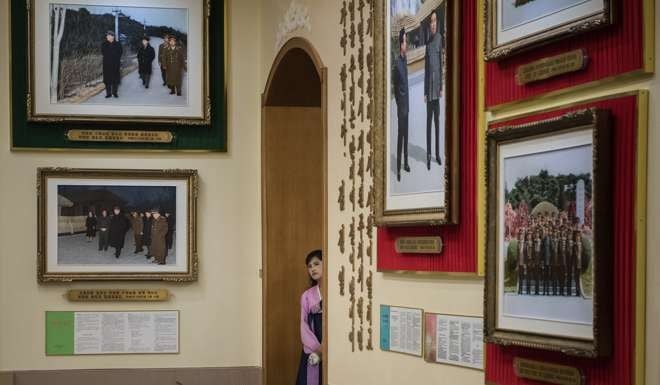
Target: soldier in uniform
(563, 260)
(400, 80)
(146, 232)
(546, 250)
(111, 51)
(521, 261)
(158, 248)
(529, 260)
(137, 225)
(161, 57)
(433, 88)
(146, 55)
(538, 262)
(577, 260)
(556, 264)
(175, 64)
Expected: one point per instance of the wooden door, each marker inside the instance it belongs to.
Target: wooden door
(293, 225)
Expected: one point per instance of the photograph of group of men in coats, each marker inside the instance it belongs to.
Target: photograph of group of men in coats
(171, 61)
(152, 232)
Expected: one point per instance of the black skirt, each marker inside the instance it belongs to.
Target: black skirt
(315, 322)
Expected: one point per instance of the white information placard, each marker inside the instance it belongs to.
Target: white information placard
(84, 333)
(401, 329)
(455, 340)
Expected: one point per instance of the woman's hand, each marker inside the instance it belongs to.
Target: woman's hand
(314, 359)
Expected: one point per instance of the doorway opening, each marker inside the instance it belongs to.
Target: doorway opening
(294, 202)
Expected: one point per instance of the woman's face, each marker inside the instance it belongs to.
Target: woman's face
(315, 269)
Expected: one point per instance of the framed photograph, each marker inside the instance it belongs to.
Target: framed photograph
(549, 263)
(416, 95)
(119, 75)
(515, 25)
(114, 60)
(116, 225)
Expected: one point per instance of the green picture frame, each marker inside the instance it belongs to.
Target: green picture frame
(47, 135)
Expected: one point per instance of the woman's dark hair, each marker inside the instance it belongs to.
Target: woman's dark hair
(312, 254)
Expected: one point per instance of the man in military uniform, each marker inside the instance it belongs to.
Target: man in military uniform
(175, 64)
(161, 57)
(137, 226)
(158, 248)
(433, 88)
(400, 80)
(111, 51)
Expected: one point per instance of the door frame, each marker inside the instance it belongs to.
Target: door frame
(305, 45)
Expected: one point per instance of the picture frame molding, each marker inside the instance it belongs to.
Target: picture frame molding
(448, 214)
(601, 345)
(192, 181)
(493, 51)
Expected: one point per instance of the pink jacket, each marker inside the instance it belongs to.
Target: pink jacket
(310, 303)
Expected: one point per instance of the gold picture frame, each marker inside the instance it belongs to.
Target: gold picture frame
(596, 125)
(446, 210)
(583, 21)
(64, 256)
(205, 103)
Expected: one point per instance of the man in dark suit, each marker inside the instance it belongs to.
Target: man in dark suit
(112, 51)
(433, 87)
(400, 81)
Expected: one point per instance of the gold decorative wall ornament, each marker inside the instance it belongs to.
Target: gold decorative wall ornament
(342, 196)
(341, 277)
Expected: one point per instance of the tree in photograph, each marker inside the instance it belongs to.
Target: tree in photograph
(59, 18)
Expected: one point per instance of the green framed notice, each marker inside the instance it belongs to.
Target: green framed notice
(51, 109)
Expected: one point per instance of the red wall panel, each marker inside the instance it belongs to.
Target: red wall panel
(459, 254)
(612, 51)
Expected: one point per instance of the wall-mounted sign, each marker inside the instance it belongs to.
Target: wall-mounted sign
(401, 330)
(118, 295)
(70, 333)
(552, 66)
(120, 136)
(545, 372)
(454, 340)
(418, 245)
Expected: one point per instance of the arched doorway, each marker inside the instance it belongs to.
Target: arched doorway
(294, 201)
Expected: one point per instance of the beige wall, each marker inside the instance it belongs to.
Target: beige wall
(433, 294)
(220, 314)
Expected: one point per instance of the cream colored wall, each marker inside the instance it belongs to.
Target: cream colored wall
(433, 294)
(221, 313)
(441, 295)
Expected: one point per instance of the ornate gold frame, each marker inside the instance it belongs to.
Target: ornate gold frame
(598, 121)
(493, 51)
(448, 212)
(57, 118)
(191, 178)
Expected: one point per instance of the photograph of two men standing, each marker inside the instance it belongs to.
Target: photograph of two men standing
(417, 108)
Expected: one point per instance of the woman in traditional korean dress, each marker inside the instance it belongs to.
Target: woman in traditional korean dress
(311, 323)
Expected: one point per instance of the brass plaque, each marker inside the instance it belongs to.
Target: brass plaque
(118, 295)
(545, 372)
(551, 66)
(124, 136)
(419, 245)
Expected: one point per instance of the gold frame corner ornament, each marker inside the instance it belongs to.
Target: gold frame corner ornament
(203, 120)
(494, 51)
(447, 212)
(189, 176)
(599, 122)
